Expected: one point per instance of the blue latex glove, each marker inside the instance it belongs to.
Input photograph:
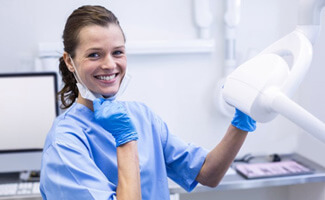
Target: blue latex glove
(243, 121)
(113, 117)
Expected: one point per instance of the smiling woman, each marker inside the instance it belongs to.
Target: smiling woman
(100, 147)
(96, 42)
(100, 60)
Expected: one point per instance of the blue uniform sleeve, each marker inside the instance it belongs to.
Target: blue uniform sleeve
(68, 173)
(183, 161)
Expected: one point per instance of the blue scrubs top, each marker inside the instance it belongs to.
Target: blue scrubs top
(79, 157)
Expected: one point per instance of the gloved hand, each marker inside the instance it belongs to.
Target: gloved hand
(113, 117)
(243, 121)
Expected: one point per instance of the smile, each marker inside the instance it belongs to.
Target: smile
(106, 78)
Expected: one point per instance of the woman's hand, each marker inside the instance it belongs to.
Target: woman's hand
(113, 117)
(243, 121)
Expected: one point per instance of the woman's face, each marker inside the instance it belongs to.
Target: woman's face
(100, 58)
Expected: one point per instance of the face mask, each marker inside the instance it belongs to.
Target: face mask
(87, 94)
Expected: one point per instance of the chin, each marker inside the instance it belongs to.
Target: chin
(108, 95)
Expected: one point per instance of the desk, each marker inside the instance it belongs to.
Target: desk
(235, 181)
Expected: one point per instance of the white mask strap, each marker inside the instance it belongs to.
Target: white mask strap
(84, 91)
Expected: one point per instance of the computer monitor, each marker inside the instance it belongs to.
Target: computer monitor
(28, 107)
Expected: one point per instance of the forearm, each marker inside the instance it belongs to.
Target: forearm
(220, 158)
(129, 186)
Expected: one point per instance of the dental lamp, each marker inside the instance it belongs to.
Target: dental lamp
(262, 86)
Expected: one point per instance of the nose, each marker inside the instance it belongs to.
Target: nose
(108, 62)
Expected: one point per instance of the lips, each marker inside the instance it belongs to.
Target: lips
(106, 84)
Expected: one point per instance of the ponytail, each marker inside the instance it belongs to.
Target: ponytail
(69, 93)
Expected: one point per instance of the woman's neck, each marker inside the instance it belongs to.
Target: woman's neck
(85, 102)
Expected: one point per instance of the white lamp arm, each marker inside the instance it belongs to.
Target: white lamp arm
(298, 115)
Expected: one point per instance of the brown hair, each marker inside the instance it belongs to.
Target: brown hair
(80, 18)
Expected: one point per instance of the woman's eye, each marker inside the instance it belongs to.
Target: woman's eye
(117, 53)
(93, 55)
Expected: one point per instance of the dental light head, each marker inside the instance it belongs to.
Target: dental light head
(262, 86)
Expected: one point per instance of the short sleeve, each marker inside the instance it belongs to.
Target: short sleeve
(183, 161)
(68, 173)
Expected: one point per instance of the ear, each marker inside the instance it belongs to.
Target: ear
(68, 62)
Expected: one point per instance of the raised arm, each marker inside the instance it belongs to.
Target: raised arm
(220, 158)
(114, 118)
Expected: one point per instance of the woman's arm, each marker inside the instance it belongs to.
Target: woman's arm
(113, 117)
(128, 186)
(220, 158)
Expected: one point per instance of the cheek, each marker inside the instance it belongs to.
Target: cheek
(85, 72)
(123, 65)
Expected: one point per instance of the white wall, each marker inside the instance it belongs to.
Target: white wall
(312, 97)
(179, 87)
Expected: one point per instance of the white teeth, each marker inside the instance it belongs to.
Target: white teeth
(106, 78)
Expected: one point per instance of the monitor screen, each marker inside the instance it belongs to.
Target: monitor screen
(28, 107)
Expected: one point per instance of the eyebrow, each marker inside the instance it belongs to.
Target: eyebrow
(92, 49)
(100, 49)
(121, 46)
